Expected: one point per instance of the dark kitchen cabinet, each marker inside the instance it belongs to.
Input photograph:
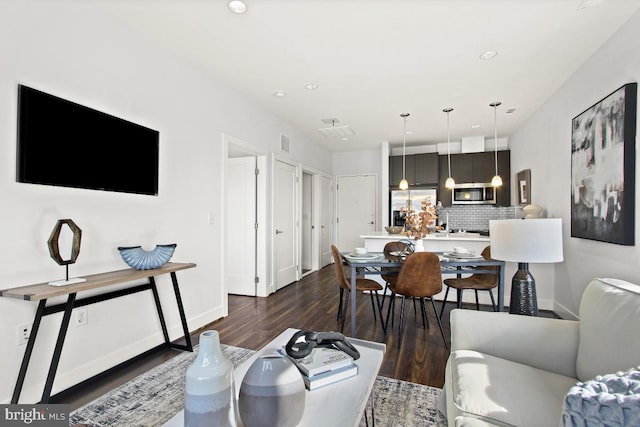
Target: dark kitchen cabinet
(444, 194)
(462, 167)
(483, 166)
(395, 170)
(425, 169)
(504, 170)
(476, 168)
(420, 169)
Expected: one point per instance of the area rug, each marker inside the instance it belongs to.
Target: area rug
(152, 398)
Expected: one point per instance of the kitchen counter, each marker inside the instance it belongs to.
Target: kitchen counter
(436, 242)
(472, 237)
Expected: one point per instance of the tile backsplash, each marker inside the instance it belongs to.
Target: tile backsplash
(470, 217)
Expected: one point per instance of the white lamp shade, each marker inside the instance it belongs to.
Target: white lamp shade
(450, 183)
(526, 240)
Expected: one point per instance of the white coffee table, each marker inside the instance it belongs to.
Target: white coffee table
(326, 406)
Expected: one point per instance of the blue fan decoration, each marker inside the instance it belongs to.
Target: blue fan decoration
(138, 258)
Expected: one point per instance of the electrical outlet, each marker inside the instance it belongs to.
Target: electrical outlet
(23, 333)
(82, 317)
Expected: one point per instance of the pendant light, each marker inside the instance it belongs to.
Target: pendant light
(404, 185)
(450, 183)
(496, 181)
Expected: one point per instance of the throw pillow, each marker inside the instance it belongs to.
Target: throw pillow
(607, 400)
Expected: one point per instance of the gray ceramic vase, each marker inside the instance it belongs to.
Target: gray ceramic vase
(272, 393)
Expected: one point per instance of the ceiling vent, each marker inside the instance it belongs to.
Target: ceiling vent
(284, 143)
(335, 131)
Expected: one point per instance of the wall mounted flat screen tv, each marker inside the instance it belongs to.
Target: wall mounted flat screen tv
(62, 143)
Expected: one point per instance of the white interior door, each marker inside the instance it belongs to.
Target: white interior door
(325, 221)
(356, 206)
(285, 220)
(240, 217)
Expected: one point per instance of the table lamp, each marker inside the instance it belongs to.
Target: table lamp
(526, 241)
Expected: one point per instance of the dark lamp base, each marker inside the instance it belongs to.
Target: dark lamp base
(523, 292)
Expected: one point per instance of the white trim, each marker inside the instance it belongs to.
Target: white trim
(262, 288)
(297, 208)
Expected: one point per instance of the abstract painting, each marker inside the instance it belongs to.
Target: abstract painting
(603, 169)
(523, 180)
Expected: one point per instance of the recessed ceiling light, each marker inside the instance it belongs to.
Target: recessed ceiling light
(489, 54)
(237, 6)
(311, 86)
(279, 93)
(475, 126)
(344, 138)
(409, 132)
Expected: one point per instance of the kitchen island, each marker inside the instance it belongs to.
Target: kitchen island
(436, 242)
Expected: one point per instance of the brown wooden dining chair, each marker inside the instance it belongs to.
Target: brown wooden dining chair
(362, 284)
(420, 278)
(476, 282)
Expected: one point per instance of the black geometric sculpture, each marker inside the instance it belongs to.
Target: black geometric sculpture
(54, 249)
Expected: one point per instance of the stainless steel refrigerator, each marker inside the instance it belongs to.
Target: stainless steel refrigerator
(409, 198)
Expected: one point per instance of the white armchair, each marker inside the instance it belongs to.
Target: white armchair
(512, 370)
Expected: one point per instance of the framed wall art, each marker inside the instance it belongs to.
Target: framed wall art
(523, 187)
(603, 169)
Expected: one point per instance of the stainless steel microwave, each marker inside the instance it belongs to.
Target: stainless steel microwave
(474, 194)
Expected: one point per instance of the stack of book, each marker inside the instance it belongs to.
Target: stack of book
(325, 365)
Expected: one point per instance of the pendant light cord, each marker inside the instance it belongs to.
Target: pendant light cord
(404, 185)
(495, 135)
(404, 146)
(495, 141)
(448, 110)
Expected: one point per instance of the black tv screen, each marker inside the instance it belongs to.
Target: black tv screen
(65, 144)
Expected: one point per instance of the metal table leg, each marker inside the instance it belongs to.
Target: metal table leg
(64, 325)
(27, 352)
(183, 317)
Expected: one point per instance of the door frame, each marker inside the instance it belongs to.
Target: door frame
(316, 197)
(332, 217)
(232, 144)
(296, 215)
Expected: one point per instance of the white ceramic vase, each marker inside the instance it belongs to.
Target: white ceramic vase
(272, 393)
(419, 245)
(532, 211)
(209, 393)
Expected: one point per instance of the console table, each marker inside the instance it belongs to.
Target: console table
(43, 291)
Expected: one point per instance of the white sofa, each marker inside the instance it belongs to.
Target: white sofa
(511, 370)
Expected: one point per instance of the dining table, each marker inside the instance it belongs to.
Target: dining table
(376, 263)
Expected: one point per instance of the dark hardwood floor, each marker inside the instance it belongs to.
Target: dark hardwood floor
(311, 304)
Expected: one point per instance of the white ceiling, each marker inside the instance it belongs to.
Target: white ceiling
(375, 59)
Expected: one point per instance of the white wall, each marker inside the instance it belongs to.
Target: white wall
(543, 145)
(76, 52)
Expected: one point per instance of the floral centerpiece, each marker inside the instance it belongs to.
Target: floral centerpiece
(419, 224)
